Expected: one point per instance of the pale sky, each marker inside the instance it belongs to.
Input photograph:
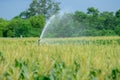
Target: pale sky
(11, 8)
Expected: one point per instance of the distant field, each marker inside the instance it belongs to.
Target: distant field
(85, 58)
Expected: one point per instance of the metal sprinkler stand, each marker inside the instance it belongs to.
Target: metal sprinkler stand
(38, 42)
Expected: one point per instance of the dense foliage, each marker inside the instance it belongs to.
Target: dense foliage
(41, 7)
(17, 27)
(31, 21)
(91, 23)
(99, 23)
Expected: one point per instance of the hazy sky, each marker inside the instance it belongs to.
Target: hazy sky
(11, 8)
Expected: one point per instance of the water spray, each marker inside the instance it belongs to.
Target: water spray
(60, 26)
(44, 29)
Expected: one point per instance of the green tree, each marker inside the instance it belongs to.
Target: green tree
(80, 16)
(117, 14)
(109, 20)
(94, 12)
(117, 29)
(92, 17)
(37, 23)
(117, 22)
(17, 27)
(42, 7)
(3, 24)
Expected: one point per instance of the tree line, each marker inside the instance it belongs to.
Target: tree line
(91, 23)
(31, 22)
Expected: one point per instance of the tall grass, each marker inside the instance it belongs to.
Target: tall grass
(97, 59)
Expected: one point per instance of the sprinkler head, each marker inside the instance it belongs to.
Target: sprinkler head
(38, 42)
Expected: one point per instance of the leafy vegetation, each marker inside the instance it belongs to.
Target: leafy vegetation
(31, 22)
(23, 59)
(22, 27)
(46, 8)
(92, 23)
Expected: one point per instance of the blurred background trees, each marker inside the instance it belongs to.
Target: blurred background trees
(31, 22)
(46, 8)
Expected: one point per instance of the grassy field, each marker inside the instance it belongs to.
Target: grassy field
(85, 58)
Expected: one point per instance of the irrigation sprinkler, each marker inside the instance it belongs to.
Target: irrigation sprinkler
(39, 42)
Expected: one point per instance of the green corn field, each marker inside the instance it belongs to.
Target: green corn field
(84, 58)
